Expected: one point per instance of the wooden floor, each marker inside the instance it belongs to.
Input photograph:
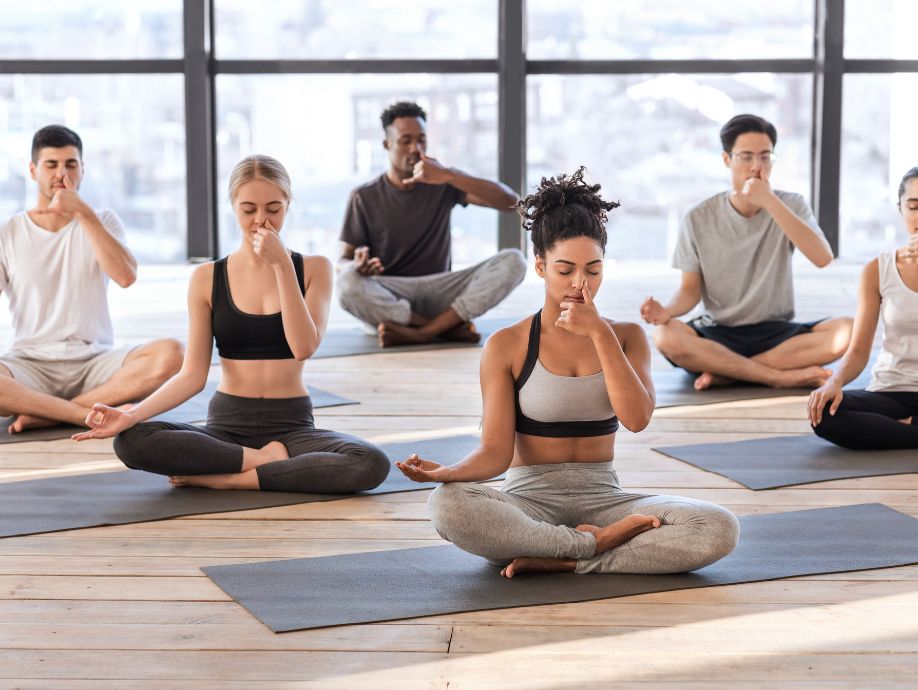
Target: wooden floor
(127, 606)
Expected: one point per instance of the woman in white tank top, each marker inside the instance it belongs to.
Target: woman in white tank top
(885, 416)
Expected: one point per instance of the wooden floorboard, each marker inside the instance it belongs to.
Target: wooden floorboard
(128, 607)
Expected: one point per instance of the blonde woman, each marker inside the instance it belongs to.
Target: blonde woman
(267, 309)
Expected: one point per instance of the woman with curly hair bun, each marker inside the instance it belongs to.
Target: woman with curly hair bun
(555, 387)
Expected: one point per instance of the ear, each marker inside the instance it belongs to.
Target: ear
(726, 159)
(32, 169)
(540, 266)
(385, 143)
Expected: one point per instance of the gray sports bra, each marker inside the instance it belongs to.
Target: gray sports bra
(560, 406)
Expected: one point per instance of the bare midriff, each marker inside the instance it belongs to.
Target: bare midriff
(262, 378)
(542, 450)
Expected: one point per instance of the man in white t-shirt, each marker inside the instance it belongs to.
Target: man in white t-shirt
(734, 251)
(55, 263)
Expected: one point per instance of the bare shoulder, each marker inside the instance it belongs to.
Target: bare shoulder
(507, 342)
(201, 284)
(318, 270)
(627, 331)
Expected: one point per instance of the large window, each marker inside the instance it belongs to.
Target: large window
(133, 133)
(668, 29)
(326, 130)
(652, 142)
(169, 97)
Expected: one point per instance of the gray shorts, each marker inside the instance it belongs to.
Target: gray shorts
(66, 378)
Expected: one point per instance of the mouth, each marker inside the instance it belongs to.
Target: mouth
(574, 298)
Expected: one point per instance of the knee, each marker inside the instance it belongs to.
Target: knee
(129, 445)
(349, 284)
(513, 263)
(447, 507)
(841, 336)
(375, 466)
(723, 534)
(669, 341)
(167, 359)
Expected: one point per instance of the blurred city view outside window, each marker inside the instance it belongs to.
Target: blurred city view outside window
(669, 29)
(133, 132)
(652, 142)
(649, 139)
(326, 131)
(331, 29)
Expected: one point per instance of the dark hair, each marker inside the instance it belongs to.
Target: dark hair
(55, 137)
(742, 124)
(910, 175)
(401, 109)
(562, 208)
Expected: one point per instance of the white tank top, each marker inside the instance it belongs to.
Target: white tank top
(896, 368)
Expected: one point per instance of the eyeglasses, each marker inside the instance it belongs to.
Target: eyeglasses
(745, 157)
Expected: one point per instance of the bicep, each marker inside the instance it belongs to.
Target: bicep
(868, 309)
(498, 407)
(691, 283)
(200, 330)
(637, 352)
(318, 292)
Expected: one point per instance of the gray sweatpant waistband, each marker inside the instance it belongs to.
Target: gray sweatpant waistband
(563, 477)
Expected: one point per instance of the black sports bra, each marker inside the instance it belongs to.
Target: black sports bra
(568, 406)
(247, 336)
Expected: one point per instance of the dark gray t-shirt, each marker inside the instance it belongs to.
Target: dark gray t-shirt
(408, 229)
(745, 263)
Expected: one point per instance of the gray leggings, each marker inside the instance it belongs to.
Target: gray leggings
(538, 506)
(322, 462)
(470, 292)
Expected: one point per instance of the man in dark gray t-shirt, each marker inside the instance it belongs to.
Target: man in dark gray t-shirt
(394, 271)
(735, 251)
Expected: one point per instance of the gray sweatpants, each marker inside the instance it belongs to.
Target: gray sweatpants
(538, 506)
(470, 292)
(321, 462)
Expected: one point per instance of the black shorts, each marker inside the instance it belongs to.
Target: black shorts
(753, 338)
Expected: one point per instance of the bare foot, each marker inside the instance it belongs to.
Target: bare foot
(463, 333)
(242, 480)
(27, 421)
(538, 565)
(618, 533)
(272, 452)
(395, 334)
(708, 380)
(806, 377)
(908, 420)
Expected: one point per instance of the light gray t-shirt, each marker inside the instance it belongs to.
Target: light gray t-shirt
(745, 263)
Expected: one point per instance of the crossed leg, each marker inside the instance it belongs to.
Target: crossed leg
(145, 368)
(796, 362)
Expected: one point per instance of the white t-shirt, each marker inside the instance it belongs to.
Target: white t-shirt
(56, 288)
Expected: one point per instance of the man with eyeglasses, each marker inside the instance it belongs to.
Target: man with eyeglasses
(735, 251)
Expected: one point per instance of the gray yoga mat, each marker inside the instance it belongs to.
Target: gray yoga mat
(674, 387)
(768, 463)
(391, 585)
(344, 342)
(120, 498)
(193, 410)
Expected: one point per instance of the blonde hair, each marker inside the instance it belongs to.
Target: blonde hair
(259, 167)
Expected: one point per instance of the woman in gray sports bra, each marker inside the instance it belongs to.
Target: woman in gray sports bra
(555, 388)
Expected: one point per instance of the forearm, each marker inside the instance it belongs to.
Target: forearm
(492, 193)
(481, 464)
(171, 394)
(812, 243)
(114, 258)
(850, 366)
(682, 302)
(300, 328)
(630, 398)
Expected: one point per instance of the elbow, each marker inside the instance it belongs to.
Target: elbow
(301, 354)
(637, 422)
(823, 261)
(126, 279)
(509, 202)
